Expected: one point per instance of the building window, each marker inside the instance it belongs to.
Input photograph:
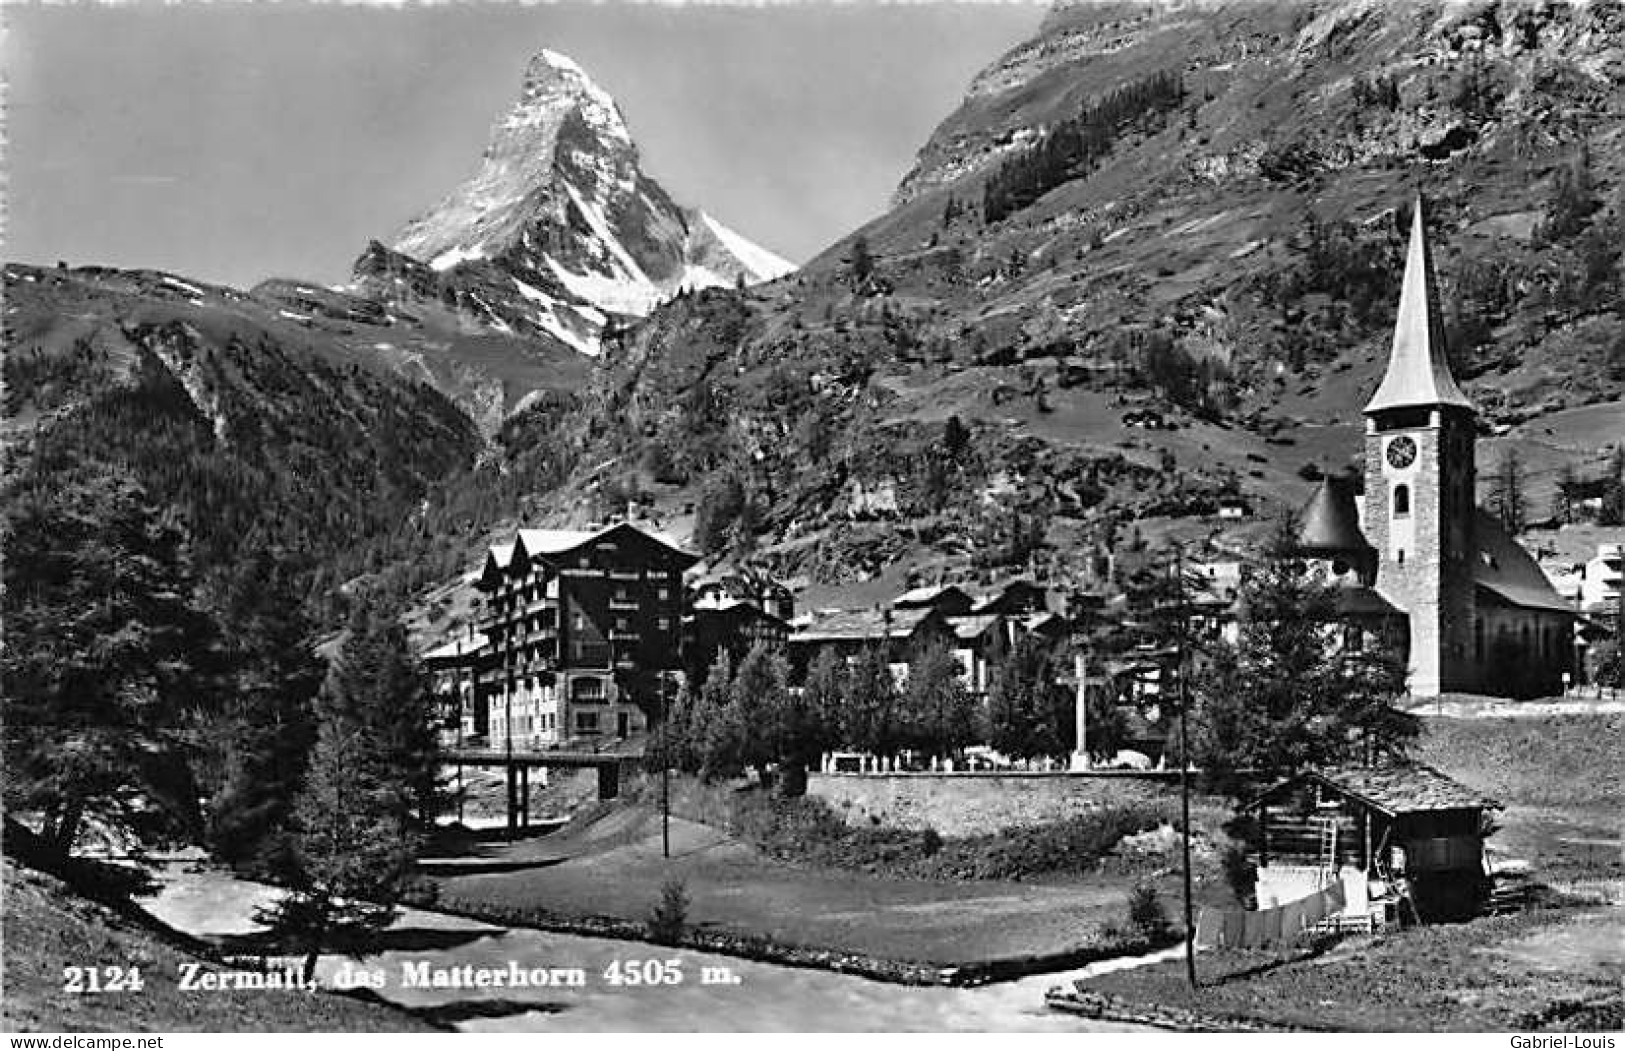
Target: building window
(663, 623)
(588, 689)
(586, 722)
(620, 624)
(1402, 501)
(663, 593)
(1400, 557)
(1478, 639)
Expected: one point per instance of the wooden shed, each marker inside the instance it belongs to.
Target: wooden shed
(1404, 825)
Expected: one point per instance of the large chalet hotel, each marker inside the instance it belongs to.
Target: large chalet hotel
(582, 632)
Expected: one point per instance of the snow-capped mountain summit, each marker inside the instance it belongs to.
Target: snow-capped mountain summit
(560, 227)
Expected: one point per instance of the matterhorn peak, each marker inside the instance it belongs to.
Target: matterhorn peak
(560, 226)
(554, 80)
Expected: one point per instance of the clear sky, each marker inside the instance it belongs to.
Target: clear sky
(234, 142)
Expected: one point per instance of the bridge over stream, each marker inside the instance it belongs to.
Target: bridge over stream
(518, 764)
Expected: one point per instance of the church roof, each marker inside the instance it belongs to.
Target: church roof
(1360, 600)
(1331, 522)
(1418, 371)
(1509, 573)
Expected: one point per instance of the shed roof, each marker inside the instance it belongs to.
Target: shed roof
(1394, 788)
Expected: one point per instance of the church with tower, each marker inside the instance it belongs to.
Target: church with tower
(1414, 558)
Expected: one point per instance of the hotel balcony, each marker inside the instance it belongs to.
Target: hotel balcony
(590, 657)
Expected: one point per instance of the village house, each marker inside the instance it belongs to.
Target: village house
(734, 627)
(950, 600)
(902, 634)
(980, 643)
(585, 630)
(722, 590)
(1601, 579)
(1014, 597)
(460, 682)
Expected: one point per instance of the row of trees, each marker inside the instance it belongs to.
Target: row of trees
(1293, 689)
(749, 717)
(1508, 495)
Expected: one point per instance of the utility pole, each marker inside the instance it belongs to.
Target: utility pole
(1185, 764)
(665, 769)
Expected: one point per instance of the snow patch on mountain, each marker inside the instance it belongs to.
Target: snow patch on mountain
(452, 256)
(616, 295)
(765, 265)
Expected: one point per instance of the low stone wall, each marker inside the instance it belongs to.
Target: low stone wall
(969, 804)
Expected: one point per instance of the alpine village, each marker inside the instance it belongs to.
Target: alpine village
(1164, 570)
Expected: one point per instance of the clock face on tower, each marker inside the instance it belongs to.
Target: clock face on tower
(1401, 452)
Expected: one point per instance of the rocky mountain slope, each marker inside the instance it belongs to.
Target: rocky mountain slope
(560, 231)
(1148, 264)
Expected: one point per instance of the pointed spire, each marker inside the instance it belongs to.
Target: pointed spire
(1418, 371)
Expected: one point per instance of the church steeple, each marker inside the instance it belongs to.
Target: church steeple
(1418, 371)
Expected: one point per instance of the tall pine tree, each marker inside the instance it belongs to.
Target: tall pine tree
(1299, 687)
(271, 727)
(941, 713)
(107, 656)
(1029, 715)
(369, 796)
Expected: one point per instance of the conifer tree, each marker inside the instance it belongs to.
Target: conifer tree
(369, 796)
(673, 744)
(714, 734)
(1563, 496)
(1507, 497)
(941, 713)
(760, 720)
(270, 728)
(1029, 715)
(107, 655)
(1612, 512)
(869, 715)
(1298, 688)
